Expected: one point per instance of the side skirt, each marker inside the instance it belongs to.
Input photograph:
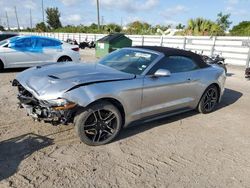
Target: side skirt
(159, 116)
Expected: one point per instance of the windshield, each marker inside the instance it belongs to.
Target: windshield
(129, 60)
(4, 42)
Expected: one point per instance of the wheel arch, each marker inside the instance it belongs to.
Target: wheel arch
(218, 88)
(114, 102)
(63, 56)
(1, 64)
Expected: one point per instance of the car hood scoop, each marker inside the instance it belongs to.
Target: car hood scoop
(62, 77)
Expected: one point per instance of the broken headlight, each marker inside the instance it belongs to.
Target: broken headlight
(61, 104)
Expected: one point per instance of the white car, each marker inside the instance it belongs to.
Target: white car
(28, 51)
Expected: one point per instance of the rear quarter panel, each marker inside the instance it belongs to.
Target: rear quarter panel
(206, 77)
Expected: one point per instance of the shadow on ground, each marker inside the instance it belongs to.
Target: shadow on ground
(230, 97)
(14, 150)
(13, 70)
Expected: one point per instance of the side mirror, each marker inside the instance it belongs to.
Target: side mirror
(162, 73)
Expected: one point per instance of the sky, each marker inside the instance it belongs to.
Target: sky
(163, 12)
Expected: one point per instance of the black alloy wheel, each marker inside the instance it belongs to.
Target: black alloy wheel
(99, 124)
(209, 100)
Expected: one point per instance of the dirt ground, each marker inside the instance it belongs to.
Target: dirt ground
(187, 150)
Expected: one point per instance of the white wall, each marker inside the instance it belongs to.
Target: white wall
(236, 50)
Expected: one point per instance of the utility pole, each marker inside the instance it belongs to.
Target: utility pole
(98, 14)
(7, 19)
(30, 19)
(121, 22)
(43, 12)
(18, 26)
(102, 23)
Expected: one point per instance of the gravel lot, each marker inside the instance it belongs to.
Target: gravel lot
(187, 150)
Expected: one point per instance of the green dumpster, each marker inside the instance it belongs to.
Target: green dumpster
(111, 43)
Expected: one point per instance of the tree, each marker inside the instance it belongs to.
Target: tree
(242, 29)
(53, 18)
(223, 21)
(1, 28)
(180, 26)
(113, 28)
(41, 27)
(138, 27)
(201, 26)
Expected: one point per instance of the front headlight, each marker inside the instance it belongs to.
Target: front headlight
(61, 104)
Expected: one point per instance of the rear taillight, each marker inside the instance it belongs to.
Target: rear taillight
(75, 49)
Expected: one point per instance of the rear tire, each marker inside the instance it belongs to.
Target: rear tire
(98, 124)
(208, 100)
(64, 59)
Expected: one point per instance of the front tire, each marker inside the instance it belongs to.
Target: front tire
(98, 124)
(209, 100)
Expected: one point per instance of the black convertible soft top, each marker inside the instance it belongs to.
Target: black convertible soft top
(176, 52)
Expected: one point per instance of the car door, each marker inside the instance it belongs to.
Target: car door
(20, 53)
(49, 49)
(170, 93)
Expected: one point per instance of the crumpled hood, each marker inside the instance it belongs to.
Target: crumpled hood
(60, 77)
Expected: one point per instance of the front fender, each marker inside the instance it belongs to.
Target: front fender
(127, 92)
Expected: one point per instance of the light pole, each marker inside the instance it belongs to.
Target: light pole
(30, 19)
(7, 19)
(18, 26)
(43, 11)
(98, 14)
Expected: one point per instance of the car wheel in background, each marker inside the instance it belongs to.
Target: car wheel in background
(209, 100)
(98, 124)
(1, 66)
(64, 59)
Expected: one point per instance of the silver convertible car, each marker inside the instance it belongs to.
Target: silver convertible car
(130, 84)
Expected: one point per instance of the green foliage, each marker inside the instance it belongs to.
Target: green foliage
(203, 27)
(180, 26)
(53, 18)
(41, 27)
(1, 28)
(242, 29)
(140, 28)
(196, 27)
(223, 21)
(113, 28)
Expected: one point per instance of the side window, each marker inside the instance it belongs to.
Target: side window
(175, 64)
(24, 43)
(48, 43)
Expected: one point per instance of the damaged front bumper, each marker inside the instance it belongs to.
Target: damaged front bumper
(47, 111)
